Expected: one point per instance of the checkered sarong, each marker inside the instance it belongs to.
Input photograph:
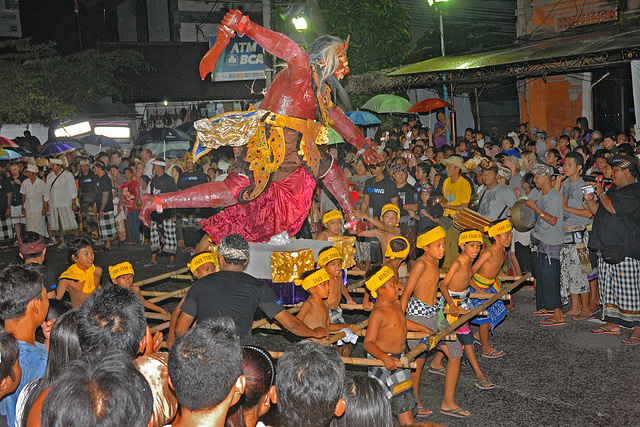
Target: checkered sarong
(107, 226)
(163, 237)
(397, 385)
(6, 229)
(619, 286)
(416, 307)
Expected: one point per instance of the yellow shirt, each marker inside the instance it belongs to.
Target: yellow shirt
(456, 193)
(87, 277)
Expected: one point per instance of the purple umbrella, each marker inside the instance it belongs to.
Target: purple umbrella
(56, 148)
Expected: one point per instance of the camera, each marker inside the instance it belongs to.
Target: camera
(588, 189)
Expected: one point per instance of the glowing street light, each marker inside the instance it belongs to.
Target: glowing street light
(72, 130)
(434, 1)
(299, 23)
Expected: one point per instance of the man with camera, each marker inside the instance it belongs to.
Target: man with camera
(615, 236)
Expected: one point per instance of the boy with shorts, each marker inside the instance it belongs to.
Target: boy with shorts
(122, 275)
(315, 311)
(419, 301)
(455, 290)
(386, 340)
(82, 277)
(485, 279)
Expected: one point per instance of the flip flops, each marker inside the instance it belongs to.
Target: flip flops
(150, 264)
(549, 323)
(601, 330)
(631, 341)
(485, 384)
(494, 354)
(426, 412)
(441, 371)
(581, 317)
(454, 413)
(543, 312)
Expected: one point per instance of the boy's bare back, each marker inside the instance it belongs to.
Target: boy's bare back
(489, 263)
(423, 281)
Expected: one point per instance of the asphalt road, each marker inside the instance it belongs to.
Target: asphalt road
(560, 376)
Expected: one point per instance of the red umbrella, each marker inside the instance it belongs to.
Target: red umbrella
(7, 143)
(427, 105)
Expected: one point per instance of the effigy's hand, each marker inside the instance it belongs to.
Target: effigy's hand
(370, 155)
(231, 19)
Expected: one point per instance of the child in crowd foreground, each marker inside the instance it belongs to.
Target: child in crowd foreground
(315, 311)
(420, 302)
(455, 290)
(485, 279)
(386, 228)
(201, 265)
(82, 277)
(122, 275)
(386, 340)
(332, 221)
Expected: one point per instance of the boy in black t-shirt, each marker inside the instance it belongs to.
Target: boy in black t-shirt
(32, 251)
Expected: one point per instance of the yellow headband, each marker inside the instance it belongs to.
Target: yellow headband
(332, 214)
(390, 207)
(430, 236)
(121, 269)
(400, 254)
(200, 259)
(314, 279)
(378, 279)
(499, 228)
(470, 236)
(329, 255)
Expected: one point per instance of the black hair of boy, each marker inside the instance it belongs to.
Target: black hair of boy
(76, 244)
(577, 157)
(367, 404)
(309, 384)
(19, 284)
(111, 319)
(323, 250)
(29, 237)
(57, 308)
(9, 353)
(398, 245)
(427, 228)
(236, 241)
(99, 391)
(205, 363)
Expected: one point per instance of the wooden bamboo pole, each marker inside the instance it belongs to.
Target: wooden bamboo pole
(262, 322)
(159, 316)
(358, 361)
(177, 293)
(170, 275)
(153, 293)
(160, 327)
(433, 341)
(359, 327)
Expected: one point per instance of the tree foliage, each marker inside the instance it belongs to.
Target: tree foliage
(379, 31)
(39, 85)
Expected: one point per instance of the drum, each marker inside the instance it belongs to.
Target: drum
(523, 217)
(465, 218)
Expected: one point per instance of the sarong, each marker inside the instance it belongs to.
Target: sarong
(397, 385)
(574, 270)
(619, 286)
(460, 299)
(497, 311)
(163, 237)
(36, 223)
(107, 226)
(432, 317)
(335, 316)
(6, 228)
(63, 221)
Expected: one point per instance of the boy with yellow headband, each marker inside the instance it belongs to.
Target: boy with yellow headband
(122, 275)
(386, 340)
(485, 279)
(397, 250)
(314, 311)
(455, 290)
(332, 221)
(420, 302)
(82, 277)
(386, 228)
(201, 265)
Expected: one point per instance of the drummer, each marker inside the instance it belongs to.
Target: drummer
(495, 199)
(457, 191)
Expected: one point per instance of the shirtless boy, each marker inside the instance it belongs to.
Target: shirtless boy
(386, 228)
(485, 279)
(122, 275)
(330, 259)
(332, 221)
(419, 301)
(386, 340)
(455, 290)
(314, 311)
(82, 277)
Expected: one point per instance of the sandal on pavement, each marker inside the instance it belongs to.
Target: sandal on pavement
(494, 354)
(425, 412)
(455, 413)
(547, 323)
(150, 264)
(631, 341)
(601, 330)
(485, 384)
(441, 371)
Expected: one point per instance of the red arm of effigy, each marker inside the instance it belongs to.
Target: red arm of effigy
(353, 135)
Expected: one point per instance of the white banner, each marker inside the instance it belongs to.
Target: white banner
(10, 19)
(635, 82)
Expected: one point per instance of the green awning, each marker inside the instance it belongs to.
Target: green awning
(614, 38)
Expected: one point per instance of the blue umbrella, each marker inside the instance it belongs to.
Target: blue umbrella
(100, 140)
(9, 154)
(362, 118)
(188, 128)
(56, 148)
(164, 135)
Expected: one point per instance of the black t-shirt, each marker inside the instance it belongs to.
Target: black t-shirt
(380, 193)
(234, 294)
(16, 198)
(103, 186)
(87, 185)
(616, 235)
(407, 195)
(5, 189)
(162, 184)
(189, 179)
(48, 278)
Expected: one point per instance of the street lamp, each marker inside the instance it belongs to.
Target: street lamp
(299, 23)
(444, 87)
